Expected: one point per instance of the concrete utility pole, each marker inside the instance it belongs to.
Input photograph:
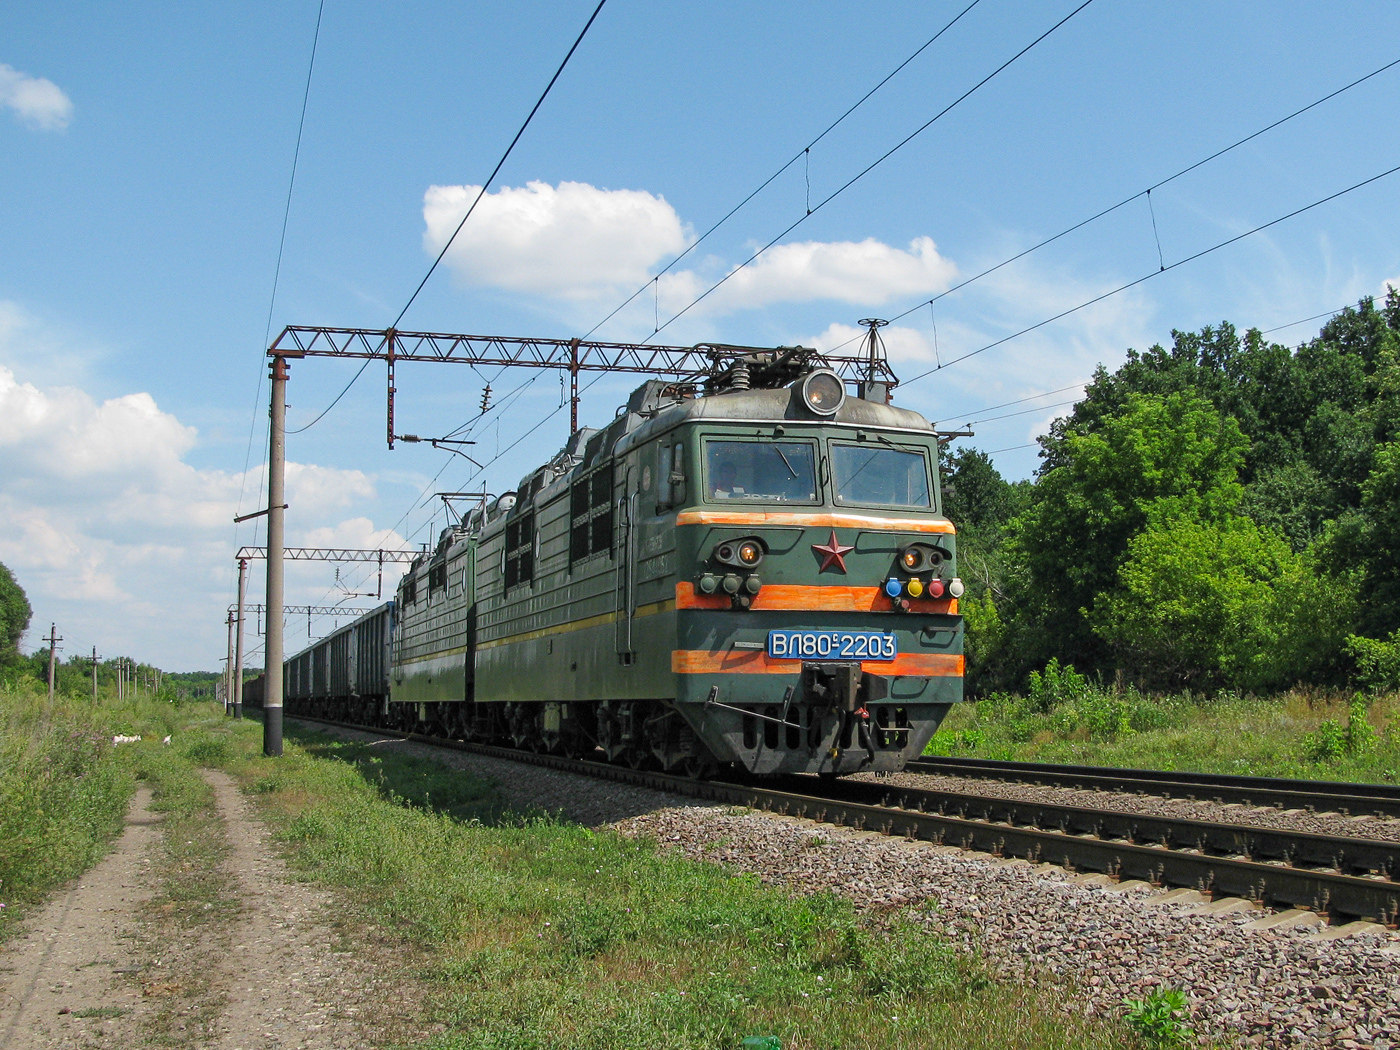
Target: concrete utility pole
(276, 519)
(228, 670)
(238, 646)
(53, 639)
(94, 674)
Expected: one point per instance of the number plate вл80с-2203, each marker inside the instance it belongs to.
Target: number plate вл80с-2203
(832, 645)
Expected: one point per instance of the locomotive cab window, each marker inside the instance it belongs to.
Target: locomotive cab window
(880, 475)
(781, 471)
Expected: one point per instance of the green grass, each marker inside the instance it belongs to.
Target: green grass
(64, 786)
(521, 931)
(1309, 734)
(63, 792)
(537, 933)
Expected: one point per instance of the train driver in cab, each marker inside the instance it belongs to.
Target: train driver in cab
(726, 484)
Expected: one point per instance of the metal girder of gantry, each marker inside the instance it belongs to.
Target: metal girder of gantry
(382, 557)
(572, 355)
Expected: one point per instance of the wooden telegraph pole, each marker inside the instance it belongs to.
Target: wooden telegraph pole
(53, 639)
(94, 674)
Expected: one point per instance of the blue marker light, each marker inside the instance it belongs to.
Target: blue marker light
(892, 588)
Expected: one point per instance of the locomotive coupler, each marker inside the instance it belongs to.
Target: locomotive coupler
(841, 686)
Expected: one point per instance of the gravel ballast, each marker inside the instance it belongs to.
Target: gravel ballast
(1270, 988)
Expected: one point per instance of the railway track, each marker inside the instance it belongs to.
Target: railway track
(1317, 795)
(1346, 878)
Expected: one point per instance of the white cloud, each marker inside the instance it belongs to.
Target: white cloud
(868, 272)
(571, 241)
(355, 533)
(112, 533)
(38, 102)
(577, 242)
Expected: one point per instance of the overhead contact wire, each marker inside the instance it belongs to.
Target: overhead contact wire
(484, 187)
(277, 268)
(1156, 273)
(1140, 193)
(873, 165)
(802, 154)
(501, 163)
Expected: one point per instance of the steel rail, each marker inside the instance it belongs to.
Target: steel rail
(1320, 795)
(1343, 896)
(1352, 856)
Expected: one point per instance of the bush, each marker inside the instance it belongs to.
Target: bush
(1330, 741)
(984, 636)
(1377, 661)
(1105, 715)
(1359, 736)
(1055, 686)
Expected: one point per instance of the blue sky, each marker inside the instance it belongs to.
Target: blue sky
(145, 152)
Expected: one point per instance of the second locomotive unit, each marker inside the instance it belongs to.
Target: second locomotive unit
(756, 573)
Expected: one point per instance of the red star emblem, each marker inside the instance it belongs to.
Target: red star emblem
(832, 552)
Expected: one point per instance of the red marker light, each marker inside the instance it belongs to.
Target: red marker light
(935, 588)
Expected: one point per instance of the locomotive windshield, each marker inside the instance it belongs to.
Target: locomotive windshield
(752, 470)
(885, 476)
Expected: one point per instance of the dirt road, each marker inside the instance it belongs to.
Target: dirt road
(100, 967)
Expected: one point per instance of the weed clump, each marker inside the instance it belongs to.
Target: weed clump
(1160, 1018)
(1330, 741)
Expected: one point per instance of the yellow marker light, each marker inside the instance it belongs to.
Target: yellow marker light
(915, 588)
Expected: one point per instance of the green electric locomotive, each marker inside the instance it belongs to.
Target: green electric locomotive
(751, 571)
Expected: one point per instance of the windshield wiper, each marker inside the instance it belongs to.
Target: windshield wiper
(784, 458)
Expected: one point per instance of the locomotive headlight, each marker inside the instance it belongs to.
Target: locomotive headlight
(955, 587)
(823, 392)
(742, 554)
(912, 559)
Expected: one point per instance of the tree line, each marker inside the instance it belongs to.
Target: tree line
(1220, 514)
